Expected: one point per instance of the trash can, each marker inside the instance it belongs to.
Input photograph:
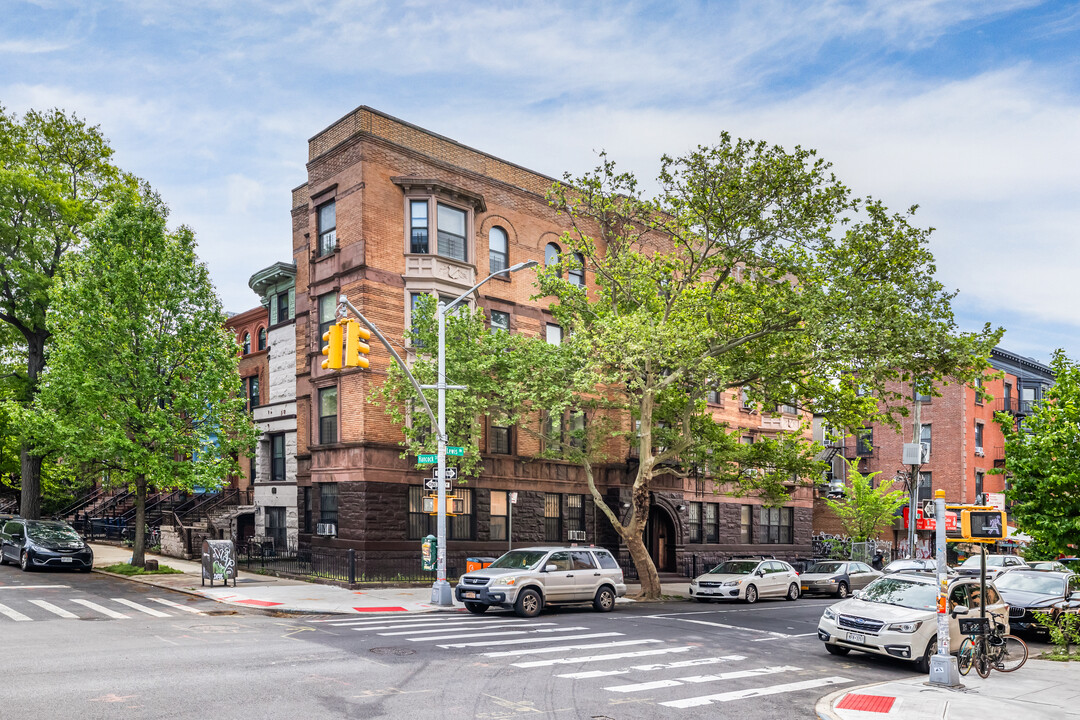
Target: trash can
(477, 563)
(218, 561)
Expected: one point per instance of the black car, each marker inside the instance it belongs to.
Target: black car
(1035, 591)
(36, 544)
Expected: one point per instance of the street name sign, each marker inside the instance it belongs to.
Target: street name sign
(456, 451)
(425, 459)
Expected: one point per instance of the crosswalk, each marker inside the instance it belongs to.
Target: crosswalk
(31, 609)
(673, 674)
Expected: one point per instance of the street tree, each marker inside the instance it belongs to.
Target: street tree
(754, 271)
(1042, 462)
(142, 383)
(56, 175)
(865, 510)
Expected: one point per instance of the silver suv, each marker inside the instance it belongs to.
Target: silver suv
(528, 579)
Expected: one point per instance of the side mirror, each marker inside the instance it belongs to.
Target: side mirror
(760, 573)
(551, 567)
(960, 610)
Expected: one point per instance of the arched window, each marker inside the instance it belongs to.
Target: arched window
(577, 274)
(551, 255)
(262, 338)
(245, 347)
(498, 249)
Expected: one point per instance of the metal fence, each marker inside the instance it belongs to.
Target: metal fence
(345, 565)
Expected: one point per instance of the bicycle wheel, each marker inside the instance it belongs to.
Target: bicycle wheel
(966, 656)
(1012, 655)
(982, 657)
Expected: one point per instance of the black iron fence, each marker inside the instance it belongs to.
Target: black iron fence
(345, 565)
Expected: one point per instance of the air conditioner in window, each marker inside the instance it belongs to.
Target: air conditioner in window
(326, 529)
(575, 535)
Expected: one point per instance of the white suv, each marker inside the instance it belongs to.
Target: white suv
(528, 579)
(746, 579)
(896, 615)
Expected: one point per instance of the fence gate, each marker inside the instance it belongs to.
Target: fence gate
(862, 552)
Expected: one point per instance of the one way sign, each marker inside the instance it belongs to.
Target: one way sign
(433, 484)
(451, 473)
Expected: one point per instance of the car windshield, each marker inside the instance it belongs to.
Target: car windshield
(520, 559)
(51, 532)
(976, 560)
(1031, 582)
(826, 567)
(904, 593)
(735, 567)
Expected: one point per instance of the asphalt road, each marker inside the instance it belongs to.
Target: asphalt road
(678, 660)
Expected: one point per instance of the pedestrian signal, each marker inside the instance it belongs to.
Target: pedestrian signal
(983, 524)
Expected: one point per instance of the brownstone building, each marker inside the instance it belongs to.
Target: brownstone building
(250, 328)
(388, 212)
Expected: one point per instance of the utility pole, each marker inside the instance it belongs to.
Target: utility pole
(913, 483)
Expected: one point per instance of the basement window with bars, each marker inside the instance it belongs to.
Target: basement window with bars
(553, 517)
(328, 503)
(575, 516)
(458, 527)
(693, 521)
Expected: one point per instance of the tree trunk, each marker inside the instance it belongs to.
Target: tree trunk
(30, 503)
(138, 555)
(647, 575)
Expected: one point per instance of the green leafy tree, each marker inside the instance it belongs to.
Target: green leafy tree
(866, 510)
(142, 380)
(753, 270)
(1042, 458)
(55, 177)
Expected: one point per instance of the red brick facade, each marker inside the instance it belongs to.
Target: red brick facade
(249, 326)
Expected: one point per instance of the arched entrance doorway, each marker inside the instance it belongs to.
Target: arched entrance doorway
(660, 539)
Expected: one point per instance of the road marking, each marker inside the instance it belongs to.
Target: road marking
(400, 621)
(500, 633)
(755, 692)
(446, 628)
(784, 637)
(523, 641)
(435, 626)
(732, 627)
(560, 648)
(675, 682)
(589, 674)
(103, 610)
(35, 587)
(46, 605)
(177, 605)
(601, 658)
(141, 608)
(14, 614)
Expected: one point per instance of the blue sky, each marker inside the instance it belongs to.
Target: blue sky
(969, 109)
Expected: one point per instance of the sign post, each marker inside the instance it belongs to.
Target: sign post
(943, 667)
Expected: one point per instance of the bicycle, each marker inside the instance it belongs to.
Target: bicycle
(987, 647)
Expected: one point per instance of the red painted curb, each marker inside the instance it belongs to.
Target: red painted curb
(866, 703)
(379, 609)
(257, 603)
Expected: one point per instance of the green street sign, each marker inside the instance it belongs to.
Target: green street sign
(423, 459)
(460, 452)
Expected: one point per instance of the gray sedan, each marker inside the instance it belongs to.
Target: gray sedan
(837, 577)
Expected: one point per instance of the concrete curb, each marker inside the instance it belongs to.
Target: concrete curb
(824, 707)
(196, 593)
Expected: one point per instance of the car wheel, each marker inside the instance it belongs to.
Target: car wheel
(86, 569)
(529, 604)
(922, 665)
(476, 608)
(837, 650)
(24, 561)
(793, 592)
(604, 600)
(751, 594)
(3, 558)
(842, 590)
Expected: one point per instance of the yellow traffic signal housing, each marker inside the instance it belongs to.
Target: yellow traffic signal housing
(983, 524)
(332, 349)
(356, 345)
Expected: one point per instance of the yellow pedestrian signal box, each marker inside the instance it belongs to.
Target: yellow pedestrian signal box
(332, 350)
(454, 505)
(983, 524)
(356, 346)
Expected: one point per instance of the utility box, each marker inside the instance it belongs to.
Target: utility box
(429, 553)
(218, 561)
(477, 563)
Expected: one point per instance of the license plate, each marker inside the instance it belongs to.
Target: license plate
(856, 638)
(469, 594)
(65, 559)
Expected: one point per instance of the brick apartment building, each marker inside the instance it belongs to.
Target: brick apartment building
(965, 443)
(390, 211)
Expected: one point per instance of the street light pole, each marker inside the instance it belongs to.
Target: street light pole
(440, 590)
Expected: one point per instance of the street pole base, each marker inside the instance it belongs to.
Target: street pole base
(944, 671)
(441, 594)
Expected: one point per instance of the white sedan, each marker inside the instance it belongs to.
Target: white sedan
(746, 580)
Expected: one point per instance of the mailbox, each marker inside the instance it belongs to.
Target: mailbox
(218, 561)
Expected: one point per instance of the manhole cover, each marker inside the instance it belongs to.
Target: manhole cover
(393, 651)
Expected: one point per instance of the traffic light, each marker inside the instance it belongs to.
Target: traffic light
(983, 524)
(332, 348)
(356, 346)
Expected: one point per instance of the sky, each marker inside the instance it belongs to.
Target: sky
(969, 109)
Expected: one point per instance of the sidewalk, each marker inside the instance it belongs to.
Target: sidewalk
(294, 596)
(1040, 690)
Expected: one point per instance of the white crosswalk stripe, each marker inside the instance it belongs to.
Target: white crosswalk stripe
(14, 614)
(407, 629)
(601, 658)
(366, 622)
(497, 633)
(177, 606)
(525, 641)
(46, 605)
(589, 674)
(141, 608)
(747, 693)
(562, 648)
(101, 609)
(676, 682)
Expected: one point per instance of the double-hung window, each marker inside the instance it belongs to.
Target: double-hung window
(327, 218)
(499, 514)
(328, 412)
(282, 307)
(245, 345)
(277, 456)
(926, 484)
(498, 249)
(500, 321)
(864, 442)
(777, 525)
(979, 437)
(926, 436)
(328, 502)
(746, 524)
(576, 275)
(327, 313)
(693, 521)
(712, 522)
(499, 438)
(451, 226)
(554, 334)
(418, 227)
(253, 392)
(262, 339)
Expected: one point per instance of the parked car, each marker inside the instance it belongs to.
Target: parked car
(36, 544)
(746, 579)
(896, 615)
(837, 577)
(1030, 591)
(994, 564)
(528, 579)
(915, 565)
(1055, 565)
